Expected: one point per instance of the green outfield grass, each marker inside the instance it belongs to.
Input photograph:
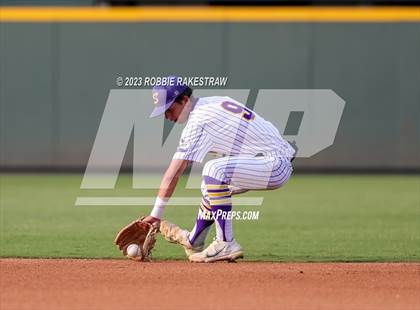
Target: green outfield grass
(313, 218)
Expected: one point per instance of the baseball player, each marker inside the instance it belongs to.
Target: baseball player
(257, 158)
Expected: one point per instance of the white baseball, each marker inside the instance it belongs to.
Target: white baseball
(133, 251)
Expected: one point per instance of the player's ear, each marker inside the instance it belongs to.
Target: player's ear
(187, 99)
(184, 100)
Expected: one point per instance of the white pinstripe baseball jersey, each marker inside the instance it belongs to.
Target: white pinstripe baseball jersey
(224, 125)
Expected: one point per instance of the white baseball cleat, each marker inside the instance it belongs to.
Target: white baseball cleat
(218, 250)
(175, 234)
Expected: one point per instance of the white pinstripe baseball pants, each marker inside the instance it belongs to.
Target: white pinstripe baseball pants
(244, 173)
(241, 173)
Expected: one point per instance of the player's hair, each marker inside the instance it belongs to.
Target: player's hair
(187, 92)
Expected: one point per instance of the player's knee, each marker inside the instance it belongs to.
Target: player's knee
(271, 186)
(208, 169)
(277, 184)
(215, 170)
(206, 203)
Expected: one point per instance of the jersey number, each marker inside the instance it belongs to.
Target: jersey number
(237, 109)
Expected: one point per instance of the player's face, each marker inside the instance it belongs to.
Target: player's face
(173, 112)
(179, 111)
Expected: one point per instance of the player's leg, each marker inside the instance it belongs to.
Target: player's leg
(202, 226)
(240, 173)
(237, 174)
(220, 200)
(204, 219)
(193, 242)
(257, 173)
(219, 197)
(218, 193)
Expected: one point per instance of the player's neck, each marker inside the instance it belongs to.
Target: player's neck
(193, 102)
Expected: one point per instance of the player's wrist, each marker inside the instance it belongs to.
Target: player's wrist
(159, 208)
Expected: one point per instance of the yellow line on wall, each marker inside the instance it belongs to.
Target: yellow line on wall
(210, 14)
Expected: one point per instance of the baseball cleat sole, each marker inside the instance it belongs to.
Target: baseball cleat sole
(228, 257)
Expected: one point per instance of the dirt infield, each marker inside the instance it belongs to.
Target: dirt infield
(120, 284)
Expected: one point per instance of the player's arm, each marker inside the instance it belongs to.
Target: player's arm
(193, 146)
(167, 187)
(171, 177)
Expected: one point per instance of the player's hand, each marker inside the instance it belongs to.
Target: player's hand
(152, 220)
